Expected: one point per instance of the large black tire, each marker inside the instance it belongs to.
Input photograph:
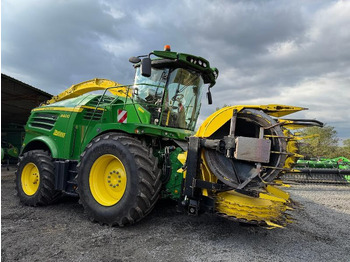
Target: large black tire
(142, 174)
(35, 181)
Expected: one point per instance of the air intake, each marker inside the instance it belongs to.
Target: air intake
(44, 120)
(92, 114)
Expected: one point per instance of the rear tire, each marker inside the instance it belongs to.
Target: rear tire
(35, 181)
(118, 179)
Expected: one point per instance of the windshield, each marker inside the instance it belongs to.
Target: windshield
(182, 99)
(149, 91)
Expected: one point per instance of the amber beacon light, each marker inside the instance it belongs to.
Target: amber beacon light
(167, 48)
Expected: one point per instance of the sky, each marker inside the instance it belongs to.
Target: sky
(267, 52)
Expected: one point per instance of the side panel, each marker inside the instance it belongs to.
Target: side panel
(49, 127)
(62, 132)
(84, 130)
(44, 139)
(69, 129)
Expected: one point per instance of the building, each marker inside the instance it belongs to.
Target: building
(17, 100)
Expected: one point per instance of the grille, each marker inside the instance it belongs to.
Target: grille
(92, 114)
(105, 100)
(44, 120)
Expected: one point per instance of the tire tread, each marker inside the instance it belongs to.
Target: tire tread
(149, 174)
(46, 194)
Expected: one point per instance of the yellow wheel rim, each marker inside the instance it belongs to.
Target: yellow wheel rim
(107, 180)
(30, 179)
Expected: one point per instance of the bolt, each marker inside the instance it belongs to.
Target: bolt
(109, 176)
(192, 210)
(119, 181)
(119, 176)
(110, 185)
(109, 181)
(110, 173)
(117, 172)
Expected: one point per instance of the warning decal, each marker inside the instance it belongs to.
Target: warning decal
(122, 116)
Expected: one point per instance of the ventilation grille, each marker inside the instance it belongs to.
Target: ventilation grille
(96, 100)
(92, 114)
(44, 120)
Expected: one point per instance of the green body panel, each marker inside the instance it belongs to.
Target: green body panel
(174, 185)
(137, 111)
(32, 136)
(73, 130)
(13, 152)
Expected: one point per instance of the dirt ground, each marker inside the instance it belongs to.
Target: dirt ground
(62, 232)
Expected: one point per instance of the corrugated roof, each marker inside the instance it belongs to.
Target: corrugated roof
(3, 76)
(18, 99)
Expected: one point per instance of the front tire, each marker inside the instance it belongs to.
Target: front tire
(118, 179)
(35, 181)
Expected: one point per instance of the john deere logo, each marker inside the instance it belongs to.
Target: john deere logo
(59, 133)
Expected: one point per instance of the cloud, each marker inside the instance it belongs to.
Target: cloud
(287, 52)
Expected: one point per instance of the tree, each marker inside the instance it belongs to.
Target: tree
(345, 149)
(346, 143)
(320, 142)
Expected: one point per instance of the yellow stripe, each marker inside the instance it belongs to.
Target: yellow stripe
(92, 107)
(67, 109)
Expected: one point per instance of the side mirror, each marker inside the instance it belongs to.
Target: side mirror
(210, 99)
(146, 67)
(134, 60)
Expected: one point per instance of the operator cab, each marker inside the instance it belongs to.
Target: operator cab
(172, 96)
(172, 89)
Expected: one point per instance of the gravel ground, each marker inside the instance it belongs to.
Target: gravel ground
(62, 232)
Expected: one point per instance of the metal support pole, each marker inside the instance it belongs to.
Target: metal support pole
(229, 152)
